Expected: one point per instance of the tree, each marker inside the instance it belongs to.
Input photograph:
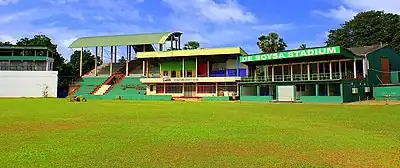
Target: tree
(191, 45)
(88, 61)
(368, 28)
(43, 40)
(7, 43)
(302, 46)
(122, 60)
(271, 43)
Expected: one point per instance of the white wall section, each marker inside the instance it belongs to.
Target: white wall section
(28, 83)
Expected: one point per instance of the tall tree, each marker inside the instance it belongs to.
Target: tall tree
(368, 28)
(302, 46)
(271, 43)
(191, 45)
(88, 61)
(43, 40)
(6, 43)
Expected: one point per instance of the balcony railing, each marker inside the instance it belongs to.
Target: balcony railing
(303, 77)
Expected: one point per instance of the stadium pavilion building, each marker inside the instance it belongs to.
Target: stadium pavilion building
(322, 74)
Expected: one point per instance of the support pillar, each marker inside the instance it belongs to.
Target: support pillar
(127, 62)
(316, 90)
(308, 72)
(330, 71)
(111, 61)
(265, 73)
(147, 68)
(318, 71)
(144, 68)
(301, 72)
(80, 62)
(327, 89)
(164, 88)
(258, 90)
(340, 70)
(364, 68)
(216, 88)
(183, 68)
(95, 61)
(283, 72)
(291, 72)
(102, 54)
(355, 69)
(208, 68)
(273, 73)
(115, 54)
(196, 72)
(237, 66)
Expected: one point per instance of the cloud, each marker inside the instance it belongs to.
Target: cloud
(7, 2)
(350, 8)
(342, 13)
(227, 11)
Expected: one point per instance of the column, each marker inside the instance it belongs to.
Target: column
(237, 66)
(196, 72)
(208, 68)
(301, 72)
(255, 72)
(273, 73)
(318, 70)
(47, 65)
(183, 68)
(316, 90)
(161, 74)
(345, 70)
(111, 59)
(330, 70)
(283, 72)
(164, 88)
(144, 68)
(80, 62)
(216, 88)
(355, 69)
(265, 72)
(102, 54)
(258, 90)
(241, 90)
(196, 88)
(340, 69)
(127, 62)
(147, 68)
(291, 72)
(95, 61)
(327, 89)
(308, 71)
(364, 67)
(115, 54)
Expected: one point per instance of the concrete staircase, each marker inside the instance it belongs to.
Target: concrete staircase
(103, 89)
(99, 69)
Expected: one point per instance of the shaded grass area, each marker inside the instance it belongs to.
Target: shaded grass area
(57, 133)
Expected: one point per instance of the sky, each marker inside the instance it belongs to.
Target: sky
(214, 23)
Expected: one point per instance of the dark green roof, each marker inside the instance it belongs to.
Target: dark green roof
(123, 40)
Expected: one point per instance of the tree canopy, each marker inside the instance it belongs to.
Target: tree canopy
(302, 46)
(191, 45)
(368, 28)
(271, 43)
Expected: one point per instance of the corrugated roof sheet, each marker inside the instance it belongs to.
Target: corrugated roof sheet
(362, 51)
(123, 40)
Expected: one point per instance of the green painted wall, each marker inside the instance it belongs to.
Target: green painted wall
(171, 65)
(374, 76)
(381, 92)
(321, 99)
(394, 77)
(24, 58)
(256, 98)
(348, 96)
(177, 65)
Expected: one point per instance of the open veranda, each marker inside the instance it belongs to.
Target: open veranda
(58, 133)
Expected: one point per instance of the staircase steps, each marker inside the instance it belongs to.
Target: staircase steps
(102, 90)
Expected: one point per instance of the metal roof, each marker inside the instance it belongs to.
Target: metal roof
(363, 51)
(123, 40)
(190, 53)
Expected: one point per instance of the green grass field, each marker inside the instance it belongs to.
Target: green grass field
(57, 133)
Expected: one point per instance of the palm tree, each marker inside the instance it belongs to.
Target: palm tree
(271, 43)
(303, 46)
(191, 45)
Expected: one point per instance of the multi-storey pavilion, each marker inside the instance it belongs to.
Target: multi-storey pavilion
(323, 74)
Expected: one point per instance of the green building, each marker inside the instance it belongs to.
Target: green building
(323, 74)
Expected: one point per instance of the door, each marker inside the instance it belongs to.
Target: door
(385, 70)
(286, 93)
(189, 90)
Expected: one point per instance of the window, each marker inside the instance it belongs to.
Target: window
(151, 88)
(165, 73)
(189, 73)
(173, 74)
